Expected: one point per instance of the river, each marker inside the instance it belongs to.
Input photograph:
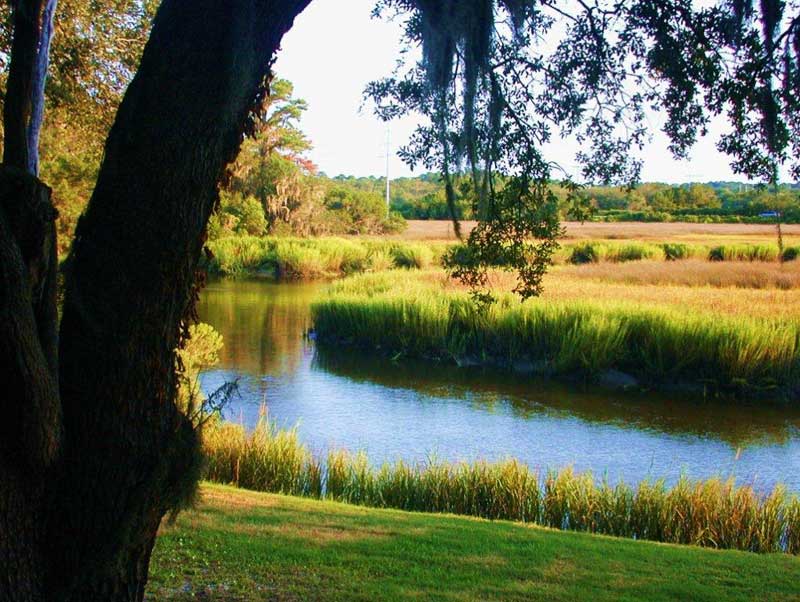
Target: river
(418, 410)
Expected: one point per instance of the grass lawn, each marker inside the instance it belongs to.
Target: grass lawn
(245, 546)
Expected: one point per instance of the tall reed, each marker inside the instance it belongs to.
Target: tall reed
(266, 459)
(326, 257)
(713, 513)
(743, 252)
(291, 258)
(579, 338)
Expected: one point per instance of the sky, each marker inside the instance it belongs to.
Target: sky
(335, 48)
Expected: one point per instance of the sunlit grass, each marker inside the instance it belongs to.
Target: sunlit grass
(251, 547)
(315, 258)
(713, 513)
(574, 329)
(331, 257)
(686, 273)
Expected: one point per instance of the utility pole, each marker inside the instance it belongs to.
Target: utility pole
(388, 186)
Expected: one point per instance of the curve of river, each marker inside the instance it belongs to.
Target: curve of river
(416, 410)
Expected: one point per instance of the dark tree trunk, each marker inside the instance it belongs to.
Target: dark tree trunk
(30, 429)
(29, 399)
(84, 529)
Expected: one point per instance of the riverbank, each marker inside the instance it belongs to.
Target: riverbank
(330, 257)
(626, 335)
(712, 513)
(410, 409)
(286, 258)
(239, 545)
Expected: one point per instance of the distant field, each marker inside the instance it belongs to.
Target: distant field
(245, 546)
(671, 231)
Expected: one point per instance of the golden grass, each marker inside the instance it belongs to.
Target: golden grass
(690, 273)
(755, 303)
(663, 232)
(599, 283)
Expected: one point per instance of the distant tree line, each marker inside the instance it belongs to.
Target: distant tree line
(423, 198)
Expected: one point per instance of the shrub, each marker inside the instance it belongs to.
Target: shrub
(585, 253)
(791, 253)
(413, 256)
(743, 253)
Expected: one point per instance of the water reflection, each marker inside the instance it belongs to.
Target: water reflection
(413, 409)
(738, 424)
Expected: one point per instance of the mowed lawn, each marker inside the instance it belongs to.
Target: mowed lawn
(245, 546)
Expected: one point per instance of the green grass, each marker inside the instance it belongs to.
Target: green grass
(595, 252)
(617, 252)
(331, 257)
(250, 547)
(315, 258)
(678, 251)
(583, 339)
(709, 513)
(742, 252)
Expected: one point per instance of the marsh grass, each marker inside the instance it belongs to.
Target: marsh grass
(744, 252)
(572, 338)
(677, 251)
(713, 513)
(619, 252)
(595, 252)
(316, 258)
(685, 273)
(331, 257)
(266, 459)
(791, 253)
(415, 256)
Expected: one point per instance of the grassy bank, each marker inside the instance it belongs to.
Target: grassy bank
(315, 258)
(245, 546)
(318, 258)
(711, 513)
(583, 337)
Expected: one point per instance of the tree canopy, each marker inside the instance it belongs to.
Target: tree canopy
(498, 80)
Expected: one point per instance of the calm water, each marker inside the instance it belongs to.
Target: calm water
(417, 410)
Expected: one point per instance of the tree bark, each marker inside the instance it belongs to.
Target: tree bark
(30, 429)
(84, 528)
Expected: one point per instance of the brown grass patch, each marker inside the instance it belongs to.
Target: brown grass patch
(582, 284)
(486, 560)
(236, 499)
(313, 533)
(672, 231)
(560, 569)
(326, 534)
(692, 272)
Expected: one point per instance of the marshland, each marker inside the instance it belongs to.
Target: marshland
(539, 339)
(639, 387)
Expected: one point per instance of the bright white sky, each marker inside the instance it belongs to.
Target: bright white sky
(335, 48)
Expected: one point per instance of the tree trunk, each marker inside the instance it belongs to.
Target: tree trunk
(30, 429)
(85, 529)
